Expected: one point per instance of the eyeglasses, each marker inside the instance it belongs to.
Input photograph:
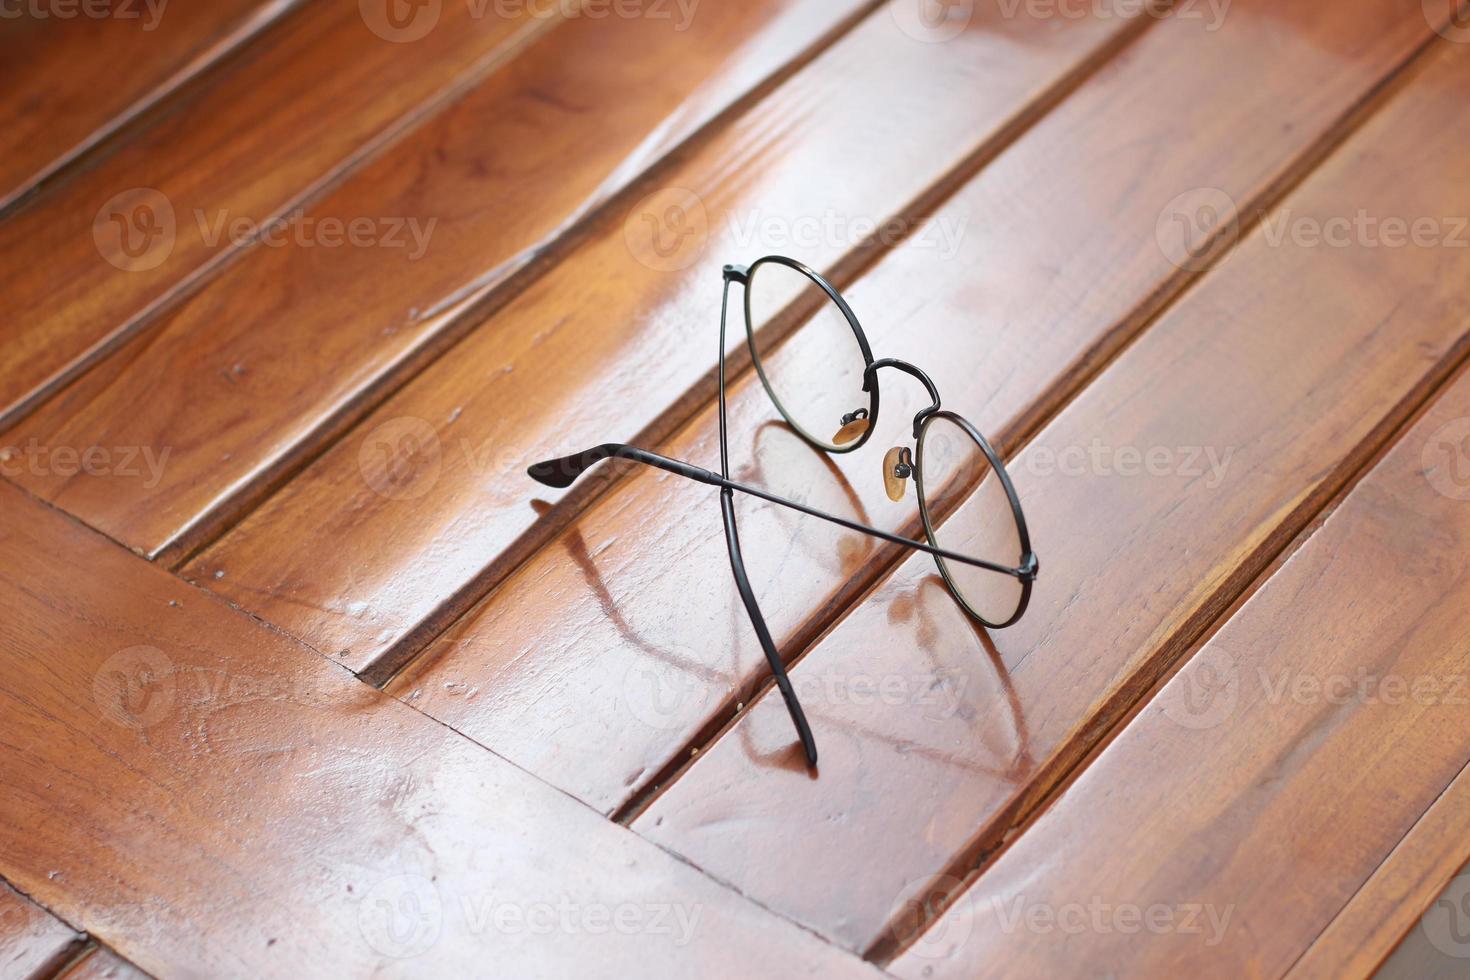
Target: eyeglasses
(815, 362)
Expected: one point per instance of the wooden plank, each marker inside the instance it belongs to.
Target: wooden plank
(70, 79)
(33, 942)
(1436, 950)
(205, 796)
(481, 189)
(596, 664)
(1321, 722)
(101, 963)
(95, 257)
(1390, 905)
(1153, 499)
(616, 341)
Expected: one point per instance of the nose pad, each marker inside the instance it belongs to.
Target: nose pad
(854, 424)
(896, 472)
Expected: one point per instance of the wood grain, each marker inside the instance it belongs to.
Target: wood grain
(1153, 499)
(91, 260)
(71, 80)
(33, 943)
(1280, 767)
(292, 340)
(407, 520)
(1389, 906)
(623, 642)
(206, 796)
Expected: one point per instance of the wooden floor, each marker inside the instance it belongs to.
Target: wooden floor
(302, 676)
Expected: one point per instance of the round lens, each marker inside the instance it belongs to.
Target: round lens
(808, 355)
(967, 509)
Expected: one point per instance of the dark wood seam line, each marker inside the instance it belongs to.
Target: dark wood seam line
(85, 940)
(1025, 809)
(1044, 790)
(843, 272)
(142, 111)
(1372, 874)
(517, 274)
(1047, 407)
(153, 314)
(65, 956)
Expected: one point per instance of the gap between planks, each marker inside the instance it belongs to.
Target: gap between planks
(213, 267)
(476, 304)
(150, 105)
(1445, 795)
(842, 273)
(1214, 612)
(1047, 407)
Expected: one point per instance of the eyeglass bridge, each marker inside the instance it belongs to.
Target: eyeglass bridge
(870, 378)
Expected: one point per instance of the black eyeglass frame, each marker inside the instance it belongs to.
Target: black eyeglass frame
(564, 471)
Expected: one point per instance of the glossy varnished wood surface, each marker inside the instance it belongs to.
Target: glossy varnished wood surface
(266, 813)
(33, 943)
(304, 333)
(68, 79)
(1133, 567)
(601, 690)
(606, 345)
(1315, 728)
(93, 258)
(1391, 904)
(1096, 248)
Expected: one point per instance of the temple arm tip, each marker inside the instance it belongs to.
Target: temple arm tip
(552, 473)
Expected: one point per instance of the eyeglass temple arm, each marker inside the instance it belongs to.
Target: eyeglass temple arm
(563, 472)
